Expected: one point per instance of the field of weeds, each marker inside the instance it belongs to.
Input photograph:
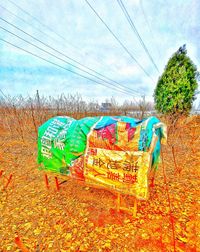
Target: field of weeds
(79, 218)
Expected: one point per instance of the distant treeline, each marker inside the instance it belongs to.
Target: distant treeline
(22, 115)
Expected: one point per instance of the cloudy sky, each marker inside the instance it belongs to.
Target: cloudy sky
(73, 31)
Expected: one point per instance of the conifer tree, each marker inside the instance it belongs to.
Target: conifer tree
(176, 88)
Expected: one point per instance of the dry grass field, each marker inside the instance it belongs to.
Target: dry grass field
(78, 218)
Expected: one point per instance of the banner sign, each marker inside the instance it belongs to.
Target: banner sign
(114, 152)
(125, 172)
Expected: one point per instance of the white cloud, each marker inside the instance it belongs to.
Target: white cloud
(95, 47)
(128, 71)
(134, 2)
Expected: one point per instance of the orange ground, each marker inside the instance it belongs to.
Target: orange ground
(78, 218)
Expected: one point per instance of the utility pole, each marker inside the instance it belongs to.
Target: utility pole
(142, 106)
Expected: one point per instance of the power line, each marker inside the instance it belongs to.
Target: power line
(64, 68)
(47, 45)
(130, 21)
(148, 24)
(55, 56)
(121, 87)
(23, 20)
(118, 40)
(43, 32)
(42, 24)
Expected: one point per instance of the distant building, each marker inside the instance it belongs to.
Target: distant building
(93, 106)
(105, 107)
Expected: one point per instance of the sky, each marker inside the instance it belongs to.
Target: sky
(72, 30)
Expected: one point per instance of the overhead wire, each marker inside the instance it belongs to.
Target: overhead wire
(32, 25)
(64, 68)
(130, 21)
(149, 26)
(118, 40)
(120, 86)
(41, 23)
(47, 45)
(78, 50)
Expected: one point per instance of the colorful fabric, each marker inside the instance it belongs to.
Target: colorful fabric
(112, 152)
